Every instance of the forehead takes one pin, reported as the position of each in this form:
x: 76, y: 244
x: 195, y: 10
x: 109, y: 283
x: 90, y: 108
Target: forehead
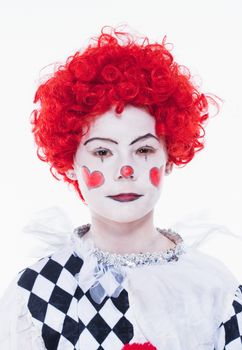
x: 132, y: 122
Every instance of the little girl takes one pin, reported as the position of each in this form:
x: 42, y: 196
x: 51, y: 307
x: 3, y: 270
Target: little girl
x: 112, y: 121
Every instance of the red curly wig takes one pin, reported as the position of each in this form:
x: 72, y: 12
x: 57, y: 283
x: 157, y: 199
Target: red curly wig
x: 116, y: 70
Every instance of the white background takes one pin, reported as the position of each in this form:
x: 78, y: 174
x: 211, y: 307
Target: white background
x: 206, y: 37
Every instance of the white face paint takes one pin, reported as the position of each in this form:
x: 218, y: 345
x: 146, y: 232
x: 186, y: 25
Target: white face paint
x: 98, y: 164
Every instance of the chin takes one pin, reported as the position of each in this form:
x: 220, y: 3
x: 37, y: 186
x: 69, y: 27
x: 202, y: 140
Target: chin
x: 126, y: 216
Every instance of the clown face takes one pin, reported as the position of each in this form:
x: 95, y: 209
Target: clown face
x: 120, y: 165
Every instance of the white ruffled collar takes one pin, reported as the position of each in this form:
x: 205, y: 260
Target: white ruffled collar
x: 104, y: 278
x: 97, y: 278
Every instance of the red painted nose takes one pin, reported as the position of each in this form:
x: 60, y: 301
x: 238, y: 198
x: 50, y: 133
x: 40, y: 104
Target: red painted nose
x: 126, y: 171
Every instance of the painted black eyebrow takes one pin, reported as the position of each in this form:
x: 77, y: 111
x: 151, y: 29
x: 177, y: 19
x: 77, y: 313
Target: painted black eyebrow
x: 110, y: 140
x: 144, y: 137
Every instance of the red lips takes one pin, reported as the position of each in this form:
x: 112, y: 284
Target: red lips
x: 125, y: 197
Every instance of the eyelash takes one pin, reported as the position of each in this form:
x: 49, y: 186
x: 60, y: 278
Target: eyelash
x: 147, y: 148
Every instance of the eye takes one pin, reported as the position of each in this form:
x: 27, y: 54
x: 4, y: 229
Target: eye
x: 145, y: 150
x: 101, y: 152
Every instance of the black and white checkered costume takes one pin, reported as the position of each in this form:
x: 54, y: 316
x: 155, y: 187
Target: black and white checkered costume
x: 68, y: 318
x: 229, y: 334
x: 56, y: 303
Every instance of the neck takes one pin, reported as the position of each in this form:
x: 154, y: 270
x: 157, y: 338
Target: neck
x: 129, y: 237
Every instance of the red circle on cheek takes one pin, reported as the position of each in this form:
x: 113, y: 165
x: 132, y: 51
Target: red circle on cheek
x: 94, y: 179
x: 155, y: 176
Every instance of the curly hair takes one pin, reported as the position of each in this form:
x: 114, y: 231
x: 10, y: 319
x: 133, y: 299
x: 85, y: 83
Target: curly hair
x: 114, y: 71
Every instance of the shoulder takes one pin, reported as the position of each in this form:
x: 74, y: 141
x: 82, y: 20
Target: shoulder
x: 208, y: 278
x: 211, y: 267
x: 50, y: 268
x: 31, y: 288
